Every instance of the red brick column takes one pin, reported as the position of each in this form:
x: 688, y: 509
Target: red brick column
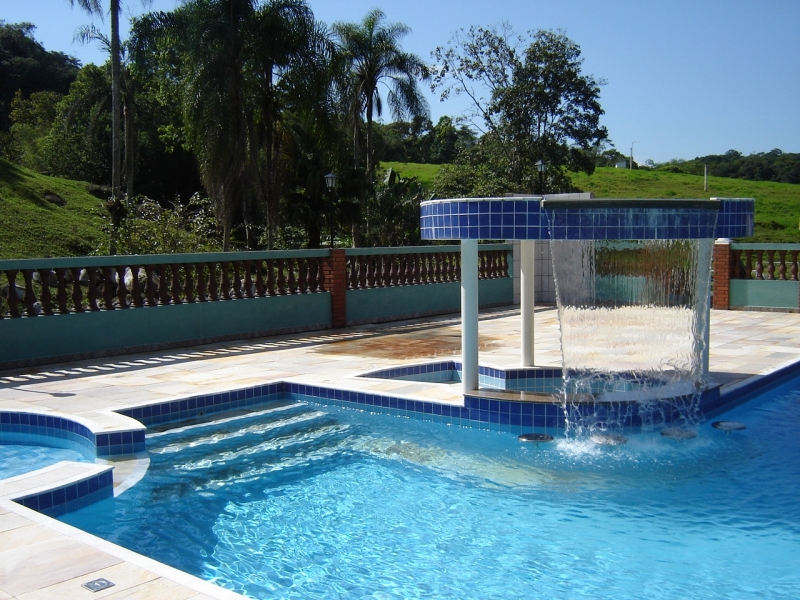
x: 336, y: 284
x: 723, y: 262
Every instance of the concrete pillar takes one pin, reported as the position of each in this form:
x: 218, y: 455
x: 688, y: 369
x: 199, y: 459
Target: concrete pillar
x: 469, y: 315
x: 526, y: 304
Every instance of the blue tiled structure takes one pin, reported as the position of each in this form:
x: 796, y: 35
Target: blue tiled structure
x: 77, y: 495
x: 197, y: 406
x: 536, y: 218
x: 72, y: 434
x: 530, y: 380
x: 478, y: 410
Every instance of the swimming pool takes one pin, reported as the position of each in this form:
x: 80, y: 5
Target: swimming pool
x: 306, y: 501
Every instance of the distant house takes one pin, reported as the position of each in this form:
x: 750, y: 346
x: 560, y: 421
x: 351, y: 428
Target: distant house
x: 623, y: 164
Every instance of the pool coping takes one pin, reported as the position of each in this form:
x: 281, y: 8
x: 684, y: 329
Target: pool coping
x: 149, y: 580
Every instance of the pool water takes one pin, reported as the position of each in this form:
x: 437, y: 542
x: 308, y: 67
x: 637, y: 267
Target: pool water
x: 302, y: 501
x: 18, y: 459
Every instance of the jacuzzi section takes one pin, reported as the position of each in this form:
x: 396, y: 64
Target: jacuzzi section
x: 545, y: 381
x: 95, y: 482
x: 21, y: 427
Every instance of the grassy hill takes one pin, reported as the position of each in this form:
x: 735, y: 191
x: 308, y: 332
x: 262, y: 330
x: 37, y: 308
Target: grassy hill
x: 43, y: 216
x: 46, y: 216
x: 777, y: 204
x: 423, y: 172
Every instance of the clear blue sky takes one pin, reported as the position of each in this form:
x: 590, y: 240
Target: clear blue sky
x: 684, y: 78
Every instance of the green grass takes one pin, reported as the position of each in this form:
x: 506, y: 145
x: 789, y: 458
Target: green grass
x: 777, y: 204
x: 424, y: 173
x: 32, y: 227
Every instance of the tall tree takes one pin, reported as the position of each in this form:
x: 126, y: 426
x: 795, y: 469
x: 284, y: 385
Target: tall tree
x: 535, y: 104
x: 93, y: 7
x: 27, y: 67
x: 373, y: 57
x: 232, y: 57
x: 291, y: 57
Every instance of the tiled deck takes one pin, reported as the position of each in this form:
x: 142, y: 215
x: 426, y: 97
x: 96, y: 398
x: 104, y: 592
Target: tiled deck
x: 42, y: 558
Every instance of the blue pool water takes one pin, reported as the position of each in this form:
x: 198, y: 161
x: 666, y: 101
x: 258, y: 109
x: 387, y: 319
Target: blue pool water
x: 303, y: 501
x: 17, y: 459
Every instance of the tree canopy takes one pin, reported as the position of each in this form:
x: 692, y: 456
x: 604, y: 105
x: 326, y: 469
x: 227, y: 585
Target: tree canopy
x: 533, y: 103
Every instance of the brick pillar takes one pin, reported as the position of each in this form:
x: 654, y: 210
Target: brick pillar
x: 723, y: 262
x: 336, y: 284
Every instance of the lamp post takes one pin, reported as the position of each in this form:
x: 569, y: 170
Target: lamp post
x: 540, y: 166
x: 330, y: 182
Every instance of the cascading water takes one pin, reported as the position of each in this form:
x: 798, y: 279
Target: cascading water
x: 633, y: 329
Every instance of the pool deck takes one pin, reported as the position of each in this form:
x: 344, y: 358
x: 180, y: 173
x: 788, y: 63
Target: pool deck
x: 43, y: 558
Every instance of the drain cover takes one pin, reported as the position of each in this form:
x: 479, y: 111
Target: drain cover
x: 609, y: 439
x: 678, y: 433
x: 97, y: 585
x: 535, y: 437
x: 729, y: 425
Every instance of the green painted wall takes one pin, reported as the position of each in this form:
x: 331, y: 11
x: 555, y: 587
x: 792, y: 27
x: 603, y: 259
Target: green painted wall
x: 403, y: 301
x: 764, y: 293
x: 60, y: 335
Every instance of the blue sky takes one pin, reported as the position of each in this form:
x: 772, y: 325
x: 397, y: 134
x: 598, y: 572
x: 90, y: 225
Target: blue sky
x: 684, y: 78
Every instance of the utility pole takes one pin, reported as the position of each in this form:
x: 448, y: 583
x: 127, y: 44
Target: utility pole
x: 705, y: 178
x: 630, y: 164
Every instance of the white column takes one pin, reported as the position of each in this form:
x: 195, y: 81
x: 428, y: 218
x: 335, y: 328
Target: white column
x: 707, y: 338
x: 526, y: 304
x: 469, y: 315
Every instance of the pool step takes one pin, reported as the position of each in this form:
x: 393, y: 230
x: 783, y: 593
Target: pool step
x: 284, y: 442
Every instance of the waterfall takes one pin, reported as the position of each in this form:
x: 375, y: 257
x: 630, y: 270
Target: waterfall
x: 633, y: 320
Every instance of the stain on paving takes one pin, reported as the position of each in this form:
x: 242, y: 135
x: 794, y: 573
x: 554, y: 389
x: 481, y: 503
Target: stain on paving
x: 424, y: 344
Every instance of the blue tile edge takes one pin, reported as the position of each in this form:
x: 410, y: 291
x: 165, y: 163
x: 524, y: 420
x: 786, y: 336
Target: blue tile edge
x: 74, y: 496
x: 477, y: 411
x: 741, y: 392
x: 204, y: 404
x: 62, y: 431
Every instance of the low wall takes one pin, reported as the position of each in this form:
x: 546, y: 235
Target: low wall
x: 754, y: 294
x: 406, y: 302
x: 104, y: 333
x: 756, y: 276
x: 52, y: 310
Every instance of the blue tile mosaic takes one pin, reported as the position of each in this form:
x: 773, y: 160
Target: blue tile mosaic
x: 200, y: 405
x: 522, y: 219
x: 77, y: 495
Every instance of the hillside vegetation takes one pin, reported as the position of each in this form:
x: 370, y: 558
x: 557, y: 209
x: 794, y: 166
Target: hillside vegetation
x: 777, y: 204
x: 43, y: 216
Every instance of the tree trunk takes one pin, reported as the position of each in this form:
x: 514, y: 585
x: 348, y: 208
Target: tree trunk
x: 116, y: 125
x: 272, y: 201
x: 226, y: 236
x: 131, y: 153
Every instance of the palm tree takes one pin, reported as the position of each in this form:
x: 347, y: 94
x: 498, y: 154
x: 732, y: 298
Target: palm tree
x: 115, y: 7
x: 89, y: 33
x: 291, y: 58
x: 234, y: 55
x: 373, y: 57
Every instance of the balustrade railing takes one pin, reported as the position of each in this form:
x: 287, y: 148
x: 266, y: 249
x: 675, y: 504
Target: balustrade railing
x: 374, y: 268
x: 75, y: 285
x: 45, y: 287
x: 765, y: 261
